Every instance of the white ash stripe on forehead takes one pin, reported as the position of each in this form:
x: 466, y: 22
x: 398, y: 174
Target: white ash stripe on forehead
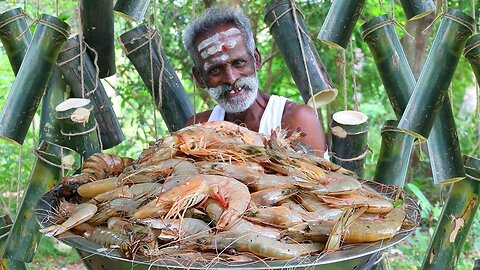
x: 214, y: 38
x: 218, y: 47
x: 215, y: 60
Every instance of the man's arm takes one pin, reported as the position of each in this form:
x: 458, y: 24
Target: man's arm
x: 199, y: 118
x: 304, y: 117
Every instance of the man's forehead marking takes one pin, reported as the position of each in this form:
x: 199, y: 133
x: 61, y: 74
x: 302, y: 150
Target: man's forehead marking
x: 220, y: 46
x: 221, y: 58
x: 210, y: 40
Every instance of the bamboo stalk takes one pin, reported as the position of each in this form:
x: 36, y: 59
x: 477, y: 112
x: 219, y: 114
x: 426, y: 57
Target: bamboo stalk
x: 340, y: 22
x: 32, y: 78
x: 7, y: 264
x: 399, y: 82
x: 98, y: 33
x: 436, y: 75
x: 456, y: 219
x: 394, y: 155
x: 472, y: 53
x: 295, y: 44
x: 416, y: 9
x: 55, y: 94
x: 78, y: 125
x: 51, y: 164
x: 349, y: 140
x: 69, y: 62
x: 144, y: 49
x: 133, y: 10
x: 15, y: 36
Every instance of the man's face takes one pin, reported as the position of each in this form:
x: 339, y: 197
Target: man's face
x: 227, y: 69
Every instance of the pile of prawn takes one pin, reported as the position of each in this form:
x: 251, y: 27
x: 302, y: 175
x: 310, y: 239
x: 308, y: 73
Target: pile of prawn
x: 220, y: 189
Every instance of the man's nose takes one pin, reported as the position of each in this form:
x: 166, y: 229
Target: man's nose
x: 231, y: 75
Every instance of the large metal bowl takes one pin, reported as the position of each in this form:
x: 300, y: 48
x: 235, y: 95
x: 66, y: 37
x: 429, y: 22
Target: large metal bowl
x: 359, y: 256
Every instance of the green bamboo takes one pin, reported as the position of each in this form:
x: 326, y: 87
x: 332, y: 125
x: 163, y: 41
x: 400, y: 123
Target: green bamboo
x: 78, y: 126
x: 32, y: 78
x: 416, y: 9
x: 302, y: 59
x: 98, y: 33
x: 472, y: 53
x: 394, y: 155
x: 399, y: 83
x: 143, y: 47
x: 133, y: 10
x: 15, y: 36
x: 349, y: 140
x: 5, y: 227
x: 55, y: 94
x: 340, y: 21
x: 51, y: 164
x: 456, y: 219
x: 437, y: 74
x: 69, y: 62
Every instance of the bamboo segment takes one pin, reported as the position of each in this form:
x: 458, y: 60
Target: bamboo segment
x: 7, y: 264
x: 51, y: 164
x: 15, y: 36
x: 340, y: 21
x: 32, y: 78
x: 394, y: 155
x: 456, y: 219
x: 472, y: 53
x: 437, y: 74
x: 399, y: 82
x: 349, y: 140
x: 290, y: 33
x: 98, y: 30
x: 143, y: 47
x: 416, y: 9
x: 133, y: 10
x: 69, y: 62
x: 55, y: 94
x: 78, y: 125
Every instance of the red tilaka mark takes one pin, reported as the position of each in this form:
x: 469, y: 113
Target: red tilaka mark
x: 224, y: 48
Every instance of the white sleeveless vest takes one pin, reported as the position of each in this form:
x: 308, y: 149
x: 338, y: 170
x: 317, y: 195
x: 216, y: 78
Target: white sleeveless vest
x: 271, y: 118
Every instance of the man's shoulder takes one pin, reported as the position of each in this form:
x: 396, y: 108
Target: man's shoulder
x: 296, y: 109
x: 201, y: 117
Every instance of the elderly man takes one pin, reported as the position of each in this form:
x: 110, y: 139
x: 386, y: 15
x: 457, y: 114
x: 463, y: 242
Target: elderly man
x: 226, y: 62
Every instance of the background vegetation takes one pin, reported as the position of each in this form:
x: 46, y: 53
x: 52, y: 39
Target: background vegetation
x: 134, y: 107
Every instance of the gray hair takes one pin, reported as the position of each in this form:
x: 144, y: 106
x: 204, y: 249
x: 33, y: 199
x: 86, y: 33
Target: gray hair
x: 206, y: 24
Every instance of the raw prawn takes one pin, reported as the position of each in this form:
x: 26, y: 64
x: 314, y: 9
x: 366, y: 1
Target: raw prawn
x: 81, y: 214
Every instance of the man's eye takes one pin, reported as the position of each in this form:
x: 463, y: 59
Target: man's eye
x: 214, y: 71
x: 239, y: 63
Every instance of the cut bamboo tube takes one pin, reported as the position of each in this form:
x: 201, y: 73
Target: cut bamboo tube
x: 15, y: 36
x: 55, y: 94
x: 349, y: 140
x: 7, y: 264
x: 416, y: 9
x: 436, y: 75
x: 98, y: 33
x: 32, y: 78
x: 456, y: 219
x: 298, y: 51
x: 394, y: 155
x: 51, y: 164
x: 78, y: 126
x: 399, y: 82
x: 133, y: 10
x: 144, y: 49
x: 69, y: 62
x: 340, y: 22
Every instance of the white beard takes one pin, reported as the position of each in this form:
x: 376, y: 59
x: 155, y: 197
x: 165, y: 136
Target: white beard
x: 240, y: 102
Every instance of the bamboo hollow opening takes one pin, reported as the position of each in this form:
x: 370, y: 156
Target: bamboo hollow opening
x: 132, y: 10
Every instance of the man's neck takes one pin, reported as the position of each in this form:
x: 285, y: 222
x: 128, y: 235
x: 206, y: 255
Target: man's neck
x: 252, y: 116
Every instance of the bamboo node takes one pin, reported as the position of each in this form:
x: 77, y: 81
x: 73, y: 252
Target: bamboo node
x: 364, y: 154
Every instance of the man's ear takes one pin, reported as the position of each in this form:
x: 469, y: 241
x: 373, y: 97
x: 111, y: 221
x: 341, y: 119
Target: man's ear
x: 198, y: 78
x: 258, y: 59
